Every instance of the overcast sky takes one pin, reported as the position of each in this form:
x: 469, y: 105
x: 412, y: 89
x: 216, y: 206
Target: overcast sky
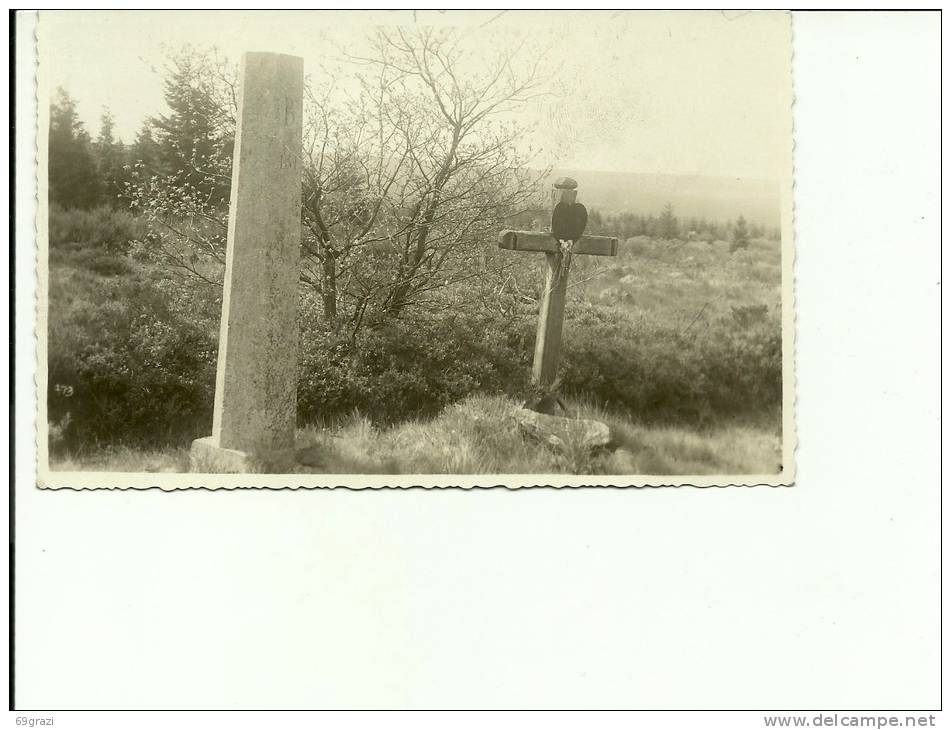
x: 702, y: 93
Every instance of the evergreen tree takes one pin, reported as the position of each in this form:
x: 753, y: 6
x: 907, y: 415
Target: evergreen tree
x: 667, y: 226
x: 741, y: 235
x: 145, y: 149
x: 112, y: 159
x: 193, y: 139
x: 73, y: 174
x: 651, y: 227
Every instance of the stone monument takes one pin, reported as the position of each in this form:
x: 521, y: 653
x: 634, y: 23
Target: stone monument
x: 256, y: 388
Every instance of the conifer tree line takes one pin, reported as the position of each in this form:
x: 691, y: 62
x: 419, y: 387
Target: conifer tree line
x: 86, y: 172
x: 668, y: 226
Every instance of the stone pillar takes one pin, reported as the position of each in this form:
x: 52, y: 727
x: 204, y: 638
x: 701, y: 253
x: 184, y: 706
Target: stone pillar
x: 256, y: 389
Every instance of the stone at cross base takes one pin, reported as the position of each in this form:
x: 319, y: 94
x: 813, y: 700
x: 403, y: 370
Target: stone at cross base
x: 560, y: 244
x: 255, y: 414
x: 563, y: 434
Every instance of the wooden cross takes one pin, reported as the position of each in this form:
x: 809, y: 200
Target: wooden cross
x: 564, y: 240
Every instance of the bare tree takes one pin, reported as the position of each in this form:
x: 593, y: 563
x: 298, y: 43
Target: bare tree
x: 408, y: 174
x: 442, y: 173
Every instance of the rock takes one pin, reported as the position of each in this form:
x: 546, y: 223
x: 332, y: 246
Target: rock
x: 562, y: 433
x: 629, y: 279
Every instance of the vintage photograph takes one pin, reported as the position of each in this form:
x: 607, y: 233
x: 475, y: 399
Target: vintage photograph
x: 398, y: 248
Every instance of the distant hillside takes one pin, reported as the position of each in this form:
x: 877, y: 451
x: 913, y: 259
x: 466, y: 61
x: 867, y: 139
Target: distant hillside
x: 713, y: 198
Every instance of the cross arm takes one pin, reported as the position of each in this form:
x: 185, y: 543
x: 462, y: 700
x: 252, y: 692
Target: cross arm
x: 541, y: 241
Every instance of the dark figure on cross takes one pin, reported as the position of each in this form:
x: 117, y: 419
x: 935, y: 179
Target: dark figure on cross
x: 568, y: 221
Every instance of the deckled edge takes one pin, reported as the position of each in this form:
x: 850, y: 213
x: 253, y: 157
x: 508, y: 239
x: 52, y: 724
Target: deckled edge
x: 788, y: 234
x: 41, y: 249
x: 372, y: 482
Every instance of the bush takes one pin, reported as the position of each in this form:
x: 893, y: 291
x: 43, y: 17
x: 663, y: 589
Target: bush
x: 127, y: 364
x: 653, y: 372
x: 98, y: 261
x: 410, y: 369
x: 126, y: 369
x: 662, y: 375
x: 102, y: 228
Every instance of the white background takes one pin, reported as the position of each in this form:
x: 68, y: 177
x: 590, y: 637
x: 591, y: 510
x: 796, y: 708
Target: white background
x: 820, y: 596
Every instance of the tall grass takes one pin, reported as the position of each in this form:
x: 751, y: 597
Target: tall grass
x: 480, y: 436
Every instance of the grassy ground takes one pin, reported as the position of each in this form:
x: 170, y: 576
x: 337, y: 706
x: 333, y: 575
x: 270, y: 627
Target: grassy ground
x: 682, y: 284
x: 479, y: 436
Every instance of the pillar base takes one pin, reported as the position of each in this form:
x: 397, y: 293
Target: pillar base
x: 208, y: 458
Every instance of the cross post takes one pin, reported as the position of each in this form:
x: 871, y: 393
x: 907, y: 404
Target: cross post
x: 564, y: 240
